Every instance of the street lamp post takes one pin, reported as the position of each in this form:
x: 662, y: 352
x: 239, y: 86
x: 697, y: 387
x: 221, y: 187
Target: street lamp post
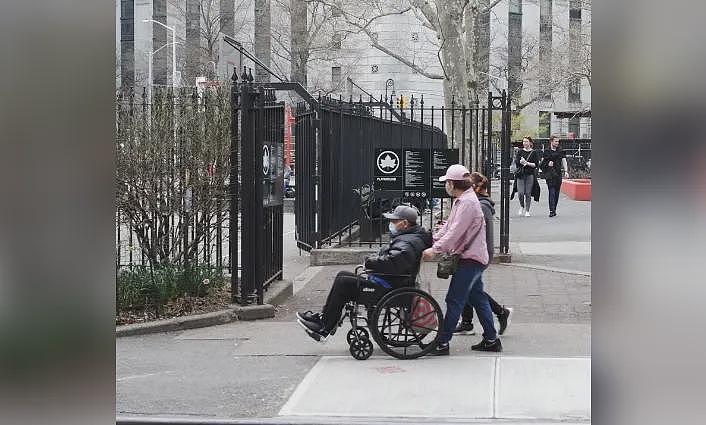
x: 173, y: 43
x: 150, y: 55
x: 390, y: 83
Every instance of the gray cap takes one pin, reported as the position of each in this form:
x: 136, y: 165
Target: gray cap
x: 403, y: 212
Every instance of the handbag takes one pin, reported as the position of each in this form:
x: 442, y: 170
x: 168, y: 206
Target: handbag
x: 518, y: 173
x: 424, y: 317
x: 448, y: 263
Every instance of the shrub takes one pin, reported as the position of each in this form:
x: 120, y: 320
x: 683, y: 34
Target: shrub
x: 141, y: 287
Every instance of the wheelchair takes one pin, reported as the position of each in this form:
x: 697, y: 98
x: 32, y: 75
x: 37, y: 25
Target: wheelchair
x: 405, y: 322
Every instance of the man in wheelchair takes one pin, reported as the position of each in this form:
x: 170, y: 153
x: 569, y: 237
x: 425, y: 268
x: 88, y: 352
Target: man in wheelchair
x: 394, y: 266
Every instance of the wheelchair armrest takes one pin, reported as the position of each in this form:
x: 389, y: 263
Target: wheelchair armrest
x: 389, y: 274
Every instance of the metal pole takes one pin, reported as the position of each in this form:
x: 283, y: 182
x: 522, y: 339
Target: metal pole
x: 173, y: 57
x: 149, y: 77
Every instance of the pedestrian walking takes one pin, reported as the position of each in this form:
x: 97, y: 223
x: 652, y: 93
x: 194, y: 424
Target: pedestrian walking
x: 480, y: 185
x: 464, y: 234
x: 526, y: 184
x: 553, y: 167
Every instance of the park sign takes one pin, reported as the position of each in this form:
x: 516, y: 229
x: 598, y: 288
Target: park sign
x: 388, y: 169
x: 412, y: 173
x: 272, y: 173
x: 442, y: 159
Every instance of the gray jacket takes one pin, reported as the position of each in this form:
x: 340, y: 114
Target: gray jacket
x: 488, y: 207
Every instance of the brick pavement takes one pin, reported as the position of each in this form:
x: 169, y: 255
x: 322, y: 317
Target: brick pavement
x: 538, y: 296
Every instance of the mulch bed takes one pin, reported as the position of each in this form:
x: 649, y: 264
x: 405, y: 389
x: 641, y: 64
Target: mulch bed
x: 216, y: 299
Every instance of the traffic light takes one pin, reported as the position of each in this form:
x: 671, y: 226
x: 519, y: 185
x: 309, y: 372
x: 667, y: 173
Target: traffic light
x: 402, y: 102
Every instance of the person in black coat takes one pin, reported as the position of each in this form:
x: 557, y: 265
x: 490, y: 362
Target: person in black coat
x: 401, y: 257
x: 553, y: 162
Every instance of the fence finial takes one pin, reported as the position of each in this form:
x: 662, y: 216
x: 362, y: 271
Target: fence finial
x: 250, y: 77
x: 234, y: 77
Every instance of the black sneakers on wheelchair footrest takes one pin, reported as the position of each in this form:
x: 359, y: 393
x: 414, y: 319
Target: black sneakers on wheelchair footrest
x: 486, y: 345
x: 310, y: 316
x: 313, y: 330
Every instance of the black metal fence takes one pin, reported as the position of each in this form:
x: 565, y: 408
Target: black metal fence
x: 260, y: 138
x: 194, y: 190
x: 337, y: 202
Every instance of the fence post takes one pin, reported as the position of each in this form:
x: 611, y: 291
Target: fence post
x: 505, y: 181
x: 234, y: 186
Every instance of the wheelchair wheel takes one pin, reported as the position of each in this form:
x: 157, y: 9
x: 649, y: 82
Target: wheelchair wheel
x: 358, y: 333
x: 361, y: 349
x: 407, y: 323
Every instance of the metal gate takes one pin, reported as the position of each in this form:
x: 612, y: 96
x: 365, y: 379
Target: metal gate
x: 335, y: 144
x: 258, y: 135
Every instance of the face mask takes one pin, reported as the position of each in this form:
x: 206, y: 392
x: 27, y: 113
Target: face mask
x: 447, y: 186
x: 393, y: 229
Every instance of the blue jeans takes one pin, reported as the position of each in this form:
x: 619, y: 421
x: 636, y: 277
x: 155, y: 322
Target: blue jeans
x: 467, y: 286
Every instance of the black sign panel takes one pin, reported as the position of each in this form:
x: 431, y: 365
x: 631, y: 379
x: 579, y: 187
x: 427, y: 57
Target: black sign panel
x: 388, y: 169
x: 416, y: 173
x: 442, y: 159
x: 272, y: 174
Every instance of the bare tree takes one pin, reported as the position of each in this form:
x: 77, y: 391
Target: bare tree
x: 454, y: 23
x: 169, y: 191
x: 542, y: 80
x: 306, y: 33
x: 214, y: 20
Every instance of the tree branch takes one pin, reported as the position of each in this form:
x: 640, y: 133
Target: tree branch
x: 492, y: 5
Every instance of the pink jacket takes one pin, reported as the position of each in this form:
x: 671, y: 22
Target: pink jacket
x: 466, y: 223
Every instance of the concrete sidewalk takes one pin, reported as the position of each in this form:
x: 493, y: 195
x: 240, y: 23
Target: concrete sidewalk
x: 272, y: 369
x: 272, y: 372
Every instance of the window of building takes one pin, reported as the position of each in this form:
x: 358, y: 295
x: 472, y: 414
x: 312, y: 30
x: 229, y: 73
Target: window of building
x: 374, y: 69
x: 336, y: 40
x: 515, y: 6
x: 545, y: 124
x: 127, y: 9
x: 575, y: 91
x: 335, y: 76
x: 575, y: 125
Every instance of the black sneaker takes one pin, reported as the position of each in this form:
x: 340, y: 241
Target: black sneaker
x: 310, y: 316
x: 504, y: 320
x: 440, y: 350
x: 465, y: 328
x: 552, y: 214
x: 486, y: 345
x: 314, y: 330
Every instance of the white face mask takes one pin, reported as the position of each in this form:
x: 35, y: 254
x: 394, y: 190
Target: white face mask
x: 393, y: 228
x: 447, y: 186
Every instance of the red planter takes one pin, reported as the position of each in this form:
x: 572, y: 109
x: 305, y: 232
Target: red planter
x: 577, y: 189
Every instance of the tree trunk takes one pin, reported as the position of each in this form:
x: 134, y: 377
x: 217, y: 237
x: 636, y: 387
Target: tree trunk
x: 263, y: 38
x: 299, y: 54
x: 454, y: 63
